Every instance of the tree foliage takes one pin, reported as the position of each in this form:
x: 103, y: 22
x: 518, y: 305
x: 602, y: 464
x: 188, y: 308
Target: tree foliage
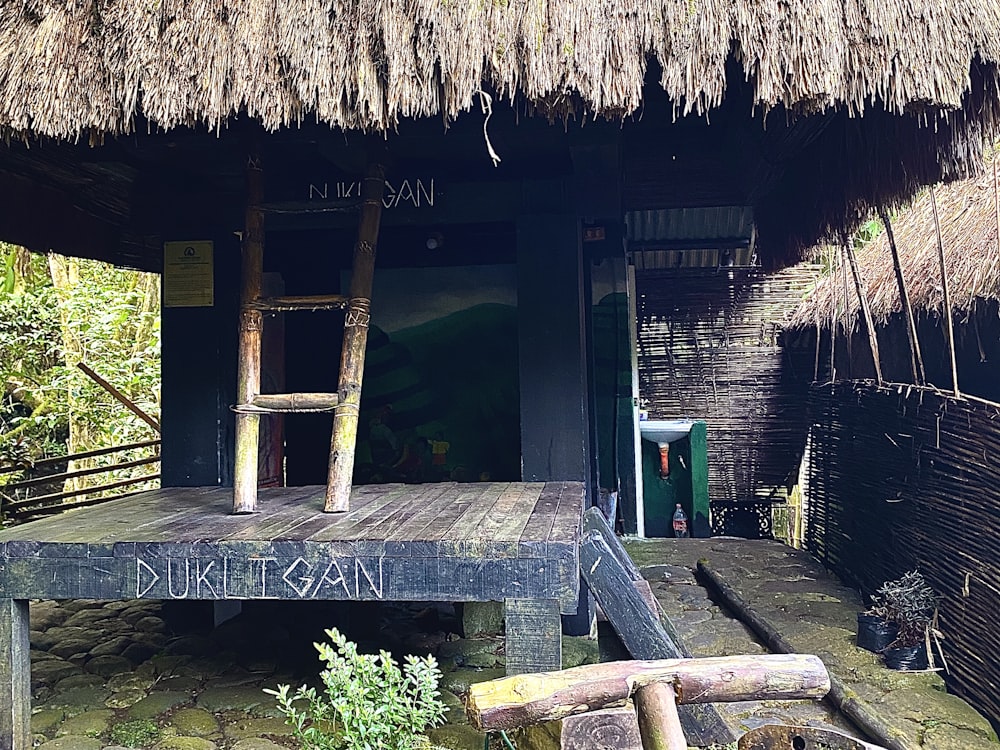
x: 56, y: 312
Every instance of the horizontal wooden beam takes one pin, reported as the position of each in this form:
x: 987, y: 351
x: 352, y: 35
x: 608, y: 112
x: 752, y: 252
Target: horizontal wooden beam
x: 52, y: 478
x: 87, y: 454
x: 532, y: 698
x: 28, y: 505
x: 290, y: 402
x: 292, y: 304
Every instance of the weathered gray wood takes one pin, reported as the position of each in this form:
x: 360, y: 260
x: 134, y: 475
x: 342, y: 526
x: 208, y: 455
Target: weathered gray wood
x: 533, y: 635
x: 646, y: 633
x: 352, y: 361
x: 525, y: 699
x: 594, y: 520
x: 659, y: 723
x: 15, y: 675
x: 184, y: 543
x: 605, y: 729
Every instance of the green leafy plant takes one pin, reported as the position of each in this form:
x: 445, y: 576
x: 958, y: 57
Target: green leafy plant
x: 138, y: 733
x: 367, y: 702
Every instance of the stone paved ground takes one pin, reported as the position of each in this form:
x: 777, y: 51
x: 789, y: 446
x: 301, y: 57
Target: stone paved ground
x: 141, y: 673
x: 817, y: 614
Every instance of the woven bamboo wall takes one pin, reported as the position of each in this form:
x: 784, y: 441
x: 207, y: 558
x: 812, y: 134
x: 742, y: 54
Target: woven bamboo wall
x: 709, y: 349
x: 903, y: 478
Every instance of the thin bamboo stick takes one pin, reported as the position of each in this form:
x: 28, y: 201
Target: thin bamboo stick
x: 76, y: 456
x: 18, y: 506
x: 916, y: 360
x: 848, y: 328
x: 865, y: 310
x: 947, y: 296
x: 833, y: 317
x: 251, y: 322
x: 352, y: 363
x: 121, y: 397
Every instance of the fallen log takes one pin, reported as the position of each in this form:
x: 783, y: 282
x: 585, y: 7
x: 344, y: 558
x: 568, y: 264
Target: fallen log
x: 524, y: 699
x: 659, y: 723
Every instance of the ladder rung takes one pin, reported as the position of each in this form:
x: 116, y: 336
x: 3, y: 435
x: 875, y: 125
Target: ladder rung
x: 289, y: 304
x: 289, y: 402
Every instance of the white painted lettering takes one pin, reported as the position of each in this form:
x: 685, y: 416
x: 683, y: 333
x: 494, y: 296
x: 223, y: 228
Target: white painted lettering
x: 359, y: 571
x: 200, y: 578
x: 428, y: 197
x: 325, y: 578
x: 304, y: 582
x: 316, y: 193
x: 141, y: 566
x: 170, y: 580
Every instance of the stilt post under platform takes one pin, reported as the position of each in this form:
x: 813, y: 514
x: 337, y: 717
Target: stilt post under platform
x: 15, y: 675
x: 352, y: 363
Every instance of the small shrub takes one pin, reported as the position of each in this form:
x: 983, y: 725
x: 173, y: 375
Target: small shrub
x: 138, y: 733
x: 367, y: 702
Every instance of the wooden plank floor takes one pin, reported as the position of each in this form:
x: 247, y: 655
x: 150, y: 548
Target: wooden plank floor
x: 439, y: 542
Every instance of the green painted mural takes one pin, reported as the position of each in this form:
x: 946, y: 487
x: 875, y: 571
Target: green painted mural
x: 440, y: 397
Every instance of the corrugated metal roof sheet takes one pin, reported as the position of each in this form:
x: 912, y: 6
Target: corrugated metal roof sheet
x: 690, y: 224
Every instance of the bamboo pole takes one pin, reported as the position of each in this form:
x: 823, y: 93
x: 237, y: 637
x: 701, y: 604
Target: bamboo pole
x: 659, y: 723
x: 916, y: 360
x: 833, y: 317
x: 251, y: 322
x: 352, y: 363
x: 848, y: 332
x: 947, y: 297
x: 865, y: 310
x: 121, y: 397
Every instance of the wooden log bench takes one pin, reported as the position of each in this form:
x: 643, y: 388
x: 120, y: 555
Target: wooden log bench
x: 657, y: 687
x: 516, y: 543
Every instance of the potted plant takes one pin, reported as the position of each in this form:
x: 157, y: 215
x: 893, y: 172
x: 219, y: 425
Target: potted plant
x: 876, y: 629
x: 908, y: 604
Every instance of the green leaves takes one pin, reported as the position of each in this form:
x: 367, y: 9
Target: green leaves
x: 367, y: 703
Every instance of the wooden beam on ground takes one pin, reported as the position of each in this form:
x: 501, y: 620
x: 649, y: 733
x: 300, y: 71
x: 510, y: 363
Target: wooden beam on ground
x: 15, y: 676
x: 525, y: 699
x: 840, y: 696
x: 645, y: 632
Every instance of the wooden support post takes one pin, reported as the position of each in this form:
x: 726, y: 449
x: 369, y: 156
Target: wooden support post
x: 916, y: 360
x: 865, y: 310
x: 533, y: 635
x: 659, y: 724
x: 525, y: 699
x: 15, y: 675
x: 947, y: 297
x: 352, y: 361
x: 251, y: 322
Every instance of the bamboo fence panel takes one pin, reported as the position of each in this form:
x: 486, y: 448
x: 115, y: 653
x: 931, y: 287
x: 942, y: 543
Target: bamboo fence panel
x: 902, y: 477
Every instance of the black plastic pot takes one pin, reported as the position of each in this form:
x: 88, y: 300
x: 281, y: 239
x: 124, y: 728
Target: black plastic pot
x: 875, y: 633
x: 906, y: 657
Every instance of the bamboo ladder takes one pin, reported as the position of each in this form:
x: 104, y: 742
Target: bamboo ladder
x: 345, y: 403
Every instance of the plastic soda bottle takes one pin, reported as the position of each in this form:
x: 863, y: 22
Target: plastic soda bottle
x: 680, y: 523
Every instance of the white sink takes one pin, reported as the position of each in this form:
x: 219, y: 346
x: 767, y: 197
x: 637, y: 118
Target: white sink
x: 665, y: 431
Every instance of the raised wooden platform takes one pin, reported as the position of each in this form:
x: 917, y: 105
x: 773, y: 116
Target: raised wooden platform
x: 516, y: 543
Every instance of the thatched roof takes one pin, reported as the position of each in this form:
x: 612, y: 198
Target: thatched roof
x: 77, y: 66
x: 968, y: 215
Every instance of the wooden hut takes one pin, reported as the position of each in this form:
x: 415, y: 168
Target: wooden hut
x: 178, y: 135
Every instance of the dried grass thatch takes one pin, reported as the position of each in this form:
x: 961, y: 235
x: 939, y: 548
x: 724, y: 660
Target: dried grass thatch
x: 968, y: 216
x: 75, y: 66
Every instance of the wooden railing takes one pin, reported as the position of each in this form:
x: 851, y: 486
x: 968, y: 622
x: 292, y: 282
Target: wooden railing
x: 18, y: 502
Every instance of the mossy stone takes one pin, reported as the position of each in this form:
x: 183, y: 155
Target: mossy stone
x: 72, y: 742
x: 456, y: 737
x: 185, y: 743
x: 196, y: 722
x: 459, y: 681
x: 155, y: 704
x: 44, y: 721
x: 88, y: 724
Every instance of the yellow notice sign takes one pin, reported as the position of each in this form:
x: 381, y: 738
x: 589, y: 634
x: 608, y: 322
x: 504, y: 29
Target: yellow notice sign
x: 188, y: 274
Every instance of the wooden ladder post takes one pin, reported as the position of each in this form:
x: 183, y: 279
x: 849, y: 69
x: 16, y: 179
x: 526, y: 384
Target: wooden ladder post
x: 659, y: 722
x: 352, y: 362
x: 251, y: 322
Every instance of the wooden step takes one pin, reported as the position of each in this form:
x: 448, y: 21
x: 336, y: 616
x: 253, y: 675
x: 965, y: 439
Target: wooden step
x: 290, y: 304
x: 267, y: 403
